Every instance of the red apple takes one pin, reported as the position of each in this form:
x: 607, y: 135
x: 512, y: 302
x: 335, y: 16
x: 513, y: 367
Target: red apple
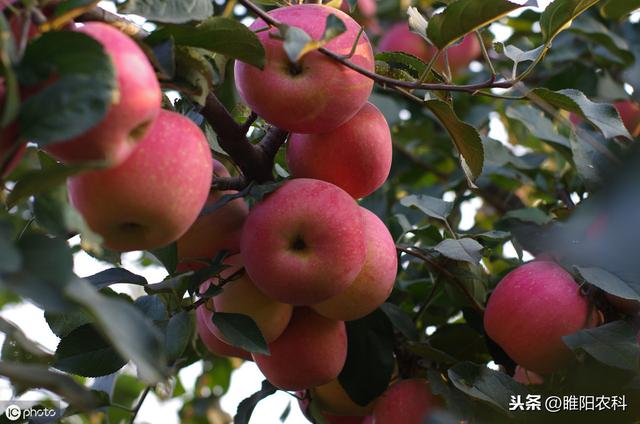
x: 316, y: 95
x: 375, y: 281
x: 136, y: 104
x: 399, y: 38
x: 529, y: 312
x: 406, y: 402
x: 310, y: 352
x: 214, y: 232
x: 154, y: 197
x: 527, y: 377
x: 364, y: 159
x: 630, y: 113
x: 214, y: 344
x: 304, y: 243
x: 241, y: 296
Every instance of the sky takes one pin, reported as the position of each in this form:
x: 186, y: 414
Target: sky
x: 245, y: 380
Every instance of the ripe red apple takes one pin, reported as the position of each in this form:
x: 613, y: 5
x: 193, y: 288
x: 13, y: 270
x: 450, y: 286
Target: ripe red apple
x: 304, y: 243
x: 241, y: 296
x: 333, y: 399
x: 310, y: 352
x: 316, y: 95
x: 630, y: 113
x: 524, y: 376
x: 135, y: 106
x: 214, y: 232
x: 214, y: 344
x: 152, y: 198
x: 375, y: 281
x: 407, y: 402
x: 364, y: 161
x: 530, y: 310
x: 399, y: 38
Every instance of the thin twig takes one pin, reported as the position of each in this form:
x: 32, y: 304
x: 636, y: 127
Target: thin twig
x: 139, y: 404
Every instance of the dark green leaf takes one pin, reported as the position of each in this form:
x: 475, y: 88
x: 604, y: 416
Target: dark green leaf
x: 559, y: 15
x: 179, y: 334
x: 246, y: 407
x: 430, y: 206
x: 168, y: 256
x: 463, y: 16
x: 614, y: 344
x: 465, y: 249
x: 367, y: 371
x: 333, y: 27
x: 485, y: 384
x: 172, y: 11
x: 594, y: 30
x: 538, y: 124
x: 115, y: 276
x: 464, y: 136
x: 10, y: 260
x: 240, y: 331
x: 609, y: 282
x: 533, y: 215
x: 85, y: 352
x: 400, y: 320
x: 618, y: 9
x: 64, y: 323
x: 48, y: 259
x: 153, y: 307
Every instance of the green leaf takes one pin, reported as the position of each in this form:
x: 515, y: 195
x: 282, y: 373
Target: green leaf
x: 179, y: 334
x: 430, y: 206
x: 485, y: 384
x: 115, y: 276
x: 64, y: 323
x: 400, y: 320
x: 218, y: 34
x: 463, y: 16
x: 38, y: 181
x: 10, y: 259
x: 246, y: 407
x: 47, y: 258
x: 152, y: 307
x: 465, y: 249
x: 464, y: 136
x: 603, y: 116
x: 370, y: 361
x: 132, y: 334
x: 519, y: 56
x: 85, y: 352
x: 618, y: 9
x: 298, y: 43
x: 614, y: 344
x: 609, y: 282
x: 170, y: 11
x: 333, y: 27
x: 559, y: 15
x: 240, y: 331
x: 168, y: 256
x: 538, y: 124
x: 594, y: 30
x: 533, y: 215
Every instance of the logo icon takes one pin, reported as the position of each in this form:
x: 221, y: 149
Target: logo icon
x: 13, y: 412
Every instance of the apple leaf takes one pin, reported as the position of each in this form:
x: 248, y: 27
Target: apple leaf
x: 533, y: 215
x: 485, y: 384
x: 85, y: 352
x: 464, y: 136
x: 178, y: 334
x: 170, y: 11
x: 463, y: 16
x: 465, y: 249
x: 10, y: 259
x: 538, y: 124
x: 600, y: 34
x: 609, y: 282
x: 559, y: 15
x: 400, y: 320
x: 603, y: 116
x: 152, y: 307
x: 618, y: 9
x: 297, y: 42
x: 614, y: 344
x: 370, y: 361
x: 115, y: 276
x: 246, y: 407
x: 241, y: 331
x: 430, y: 206
x: 217, y: 34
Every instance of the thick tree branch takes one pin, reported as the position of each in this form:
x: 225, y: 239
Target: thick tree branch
x: 271, y: 142
x: 123, y: 24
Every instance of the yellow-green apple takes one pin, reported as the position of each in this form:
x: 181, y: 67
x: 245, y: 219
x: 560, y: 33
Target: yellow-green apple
x: 527, y: 377
x: 399, y: 38
x: 135, y: 105
x: 375, y: 281
x: 214, y: 344
x: 214, y: 232
x: 407, y: 402
x: 152, y: 198
x: 356, y: 156
x: 318, y: 93
x: 311, y: 352
x: 304, y: 243
x: 303, y: 403
x: 529, y: 312
x: 333, y: 399
x: 241, y: 296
